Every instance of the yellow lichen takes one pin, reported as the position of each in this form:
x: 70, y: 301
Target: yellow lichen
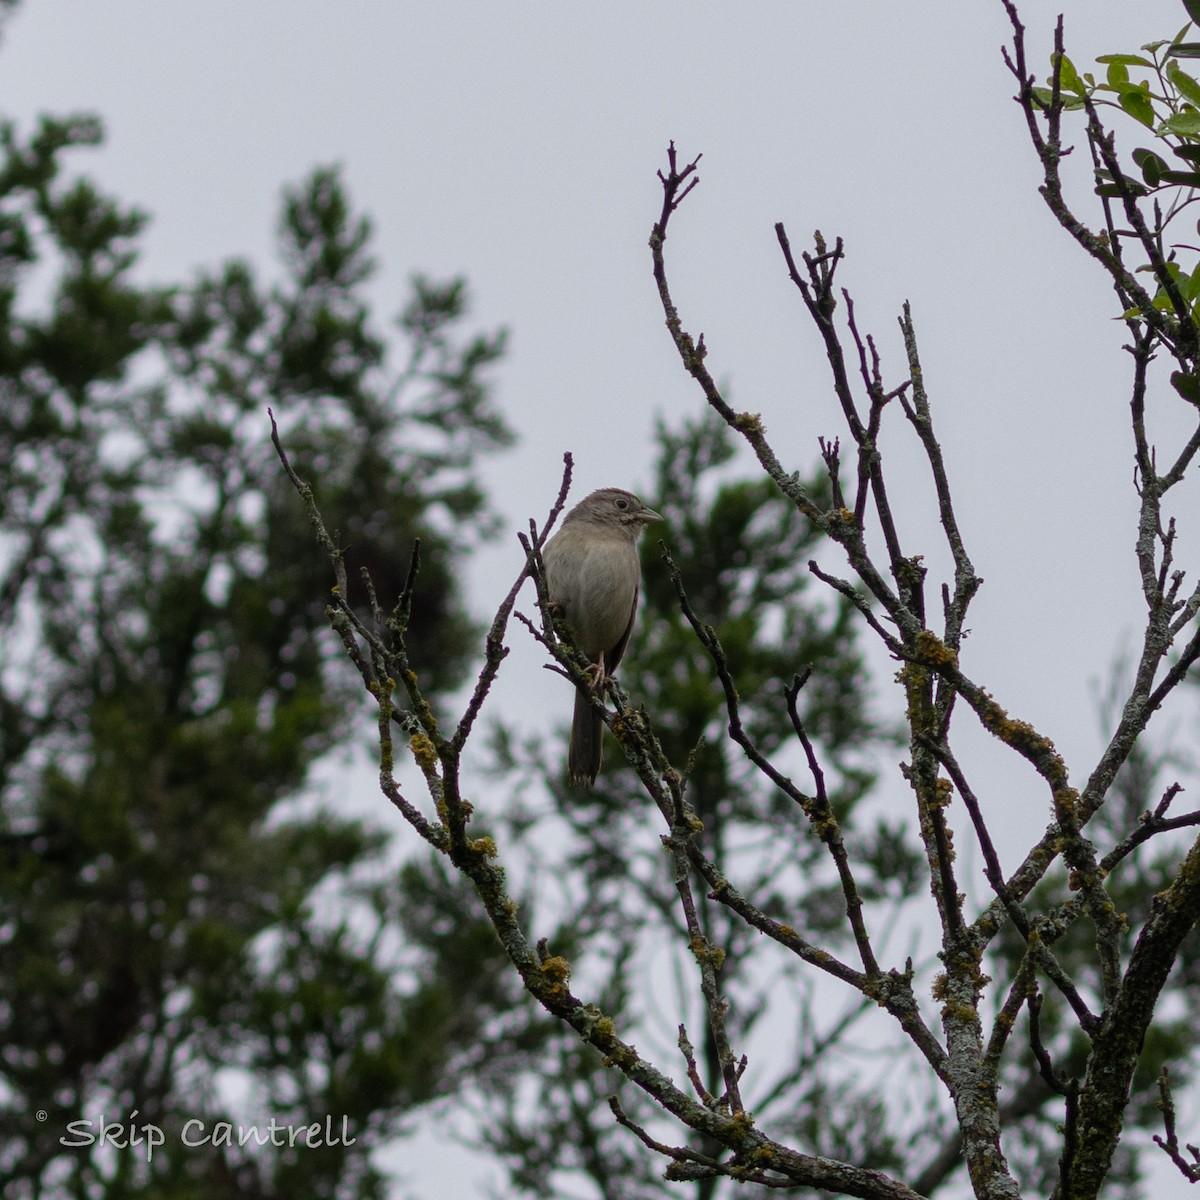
x: 968, y: 1014
x: 741, y: 1123
x: 1065, y: 799
x: 932, y: 650
x: 826, y: 828
x: 423, y: 751
x: 704, y: 951
x: 556, y: 969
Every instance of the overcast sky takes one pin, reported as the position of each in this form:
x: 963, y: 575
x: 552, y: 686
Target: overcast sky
x: 518, y: 145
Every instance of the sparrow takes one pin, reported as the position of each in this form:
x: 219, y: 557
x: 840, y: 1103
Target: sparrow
x: 592, y: 576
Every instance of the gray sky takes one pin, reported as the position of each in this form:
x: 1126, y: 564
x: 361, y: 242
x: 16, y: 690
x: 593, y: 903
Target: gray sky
x: 518, y: 144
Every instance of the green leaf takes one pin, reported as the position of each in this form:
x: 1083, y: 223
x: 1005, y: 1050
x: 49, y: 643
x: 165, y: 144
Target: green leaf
x: 1125, y: 60
x: 1193, y: 9
x: 1187, y: 385
x: 1132, y: 187
x: 1173, y: 269
x: 1189, y: 153
x: 1188, y: 88
x: 1117, y: 74
x: 1045, y: 97
x: 1152, y: 166
x: 1067, y: 75
x: 1137, y: 104
x: 1182, y: 178
x: 1186, y: 123
x: 1185, y: 50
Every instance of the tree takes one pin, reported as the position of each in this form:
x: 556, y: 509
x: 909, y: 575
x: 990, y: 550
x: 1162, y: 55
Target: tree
x: 740, y: 552
x: 1036, y: 1028
x: 169, y: 914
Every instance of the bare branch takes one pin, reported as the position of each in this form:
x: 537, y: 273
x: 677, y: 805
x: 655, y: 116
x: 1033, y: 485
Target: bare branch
x: 1190, y: 1170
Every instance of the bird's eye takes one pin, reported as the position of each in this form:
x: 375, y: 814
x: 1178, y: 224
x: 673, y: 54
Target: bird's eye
x: 622, y: 504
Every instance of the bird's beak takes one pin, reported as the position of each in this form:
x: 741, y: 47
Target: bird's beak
x: 648, y: 515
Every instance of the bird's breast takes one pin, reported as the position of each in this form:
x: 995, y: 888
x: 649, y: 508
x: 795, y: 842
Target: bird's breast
x: 597, y: 588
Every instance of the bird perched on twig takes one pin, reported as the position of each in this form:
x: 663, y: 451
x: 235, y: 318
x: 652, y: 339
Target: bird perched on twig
x: 592, y: 577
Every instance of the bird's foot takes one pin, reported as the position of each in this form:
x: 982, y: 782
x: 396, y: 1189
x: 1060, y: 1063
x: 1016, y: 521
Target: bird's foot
x: 598, y: 676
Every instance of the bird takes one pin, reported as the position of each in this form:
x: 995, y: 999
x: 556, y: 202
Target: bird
x: 592, y: 579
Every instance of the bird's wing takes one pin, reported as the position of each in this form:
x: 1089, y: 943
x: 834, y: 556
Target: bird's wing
x: 614, y: 655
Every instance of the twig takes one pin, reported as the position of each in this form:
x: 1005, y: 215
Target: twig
x: 966, y: 582
x: 678, y: 1153
x: 1067, y: 1087
x: 495, y: 650
x: 1166, y: 1104
x: 825, y: 824
x: 689, y: 1055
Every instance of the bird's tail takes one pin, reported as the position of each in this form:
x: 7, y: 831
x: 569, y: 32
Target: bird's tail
x: 587, y: 729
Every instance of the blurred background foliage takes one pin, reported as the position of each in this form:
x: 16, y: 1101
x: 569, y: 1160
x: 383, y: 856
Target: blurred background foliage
x: 167, y: 682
